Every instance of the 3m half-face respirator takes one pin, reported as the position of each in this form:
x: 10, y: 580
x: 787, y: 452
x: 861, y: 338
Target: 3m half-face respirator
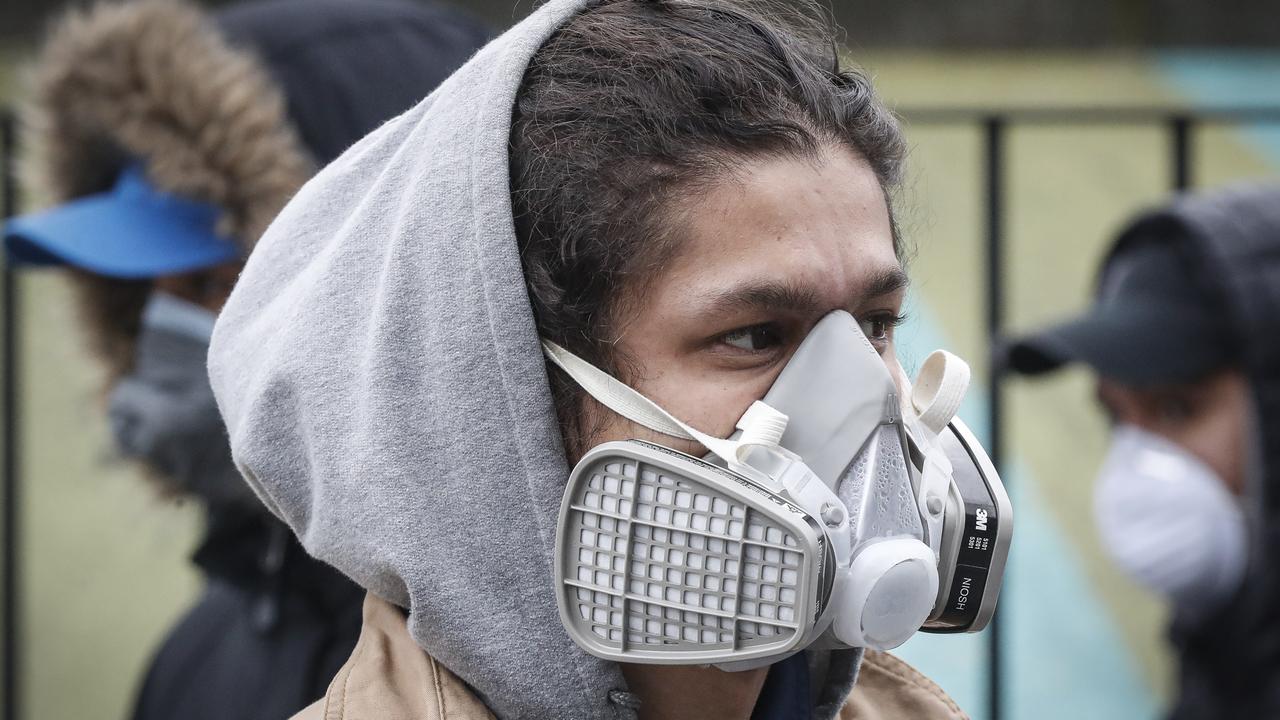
x: 837, y: 516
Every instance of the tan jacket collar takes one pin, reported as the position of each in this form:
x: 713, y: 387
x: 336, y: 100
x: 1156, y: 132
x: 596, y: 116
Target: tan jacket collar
x: 389, y: 677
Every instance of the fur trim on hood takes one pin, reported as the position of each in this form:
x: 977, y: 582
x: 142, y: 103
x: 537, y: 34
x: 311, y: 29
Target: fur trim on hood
x: 155, y: 81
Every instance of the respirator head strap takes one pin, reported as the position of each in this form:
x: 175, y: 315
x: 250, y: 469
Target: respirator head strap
x: 760, y: 424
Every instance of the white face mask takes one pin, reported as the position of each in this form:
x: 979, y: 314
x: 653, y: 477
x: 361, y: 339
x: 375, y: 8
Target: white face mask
x: 1169, y: 521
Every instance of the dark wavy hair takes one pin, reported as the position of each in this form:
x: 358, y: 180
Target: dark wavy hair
x: 635, y: 106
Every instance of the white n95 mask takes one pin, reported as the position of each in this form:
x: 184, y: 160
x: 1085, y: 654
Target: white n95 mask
x: 1169, y: 521
x: 833, y: 517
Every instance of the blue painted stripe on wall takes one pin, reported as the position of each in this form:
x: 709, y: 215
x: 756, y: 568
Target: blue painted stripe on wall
x: 1229, y: 78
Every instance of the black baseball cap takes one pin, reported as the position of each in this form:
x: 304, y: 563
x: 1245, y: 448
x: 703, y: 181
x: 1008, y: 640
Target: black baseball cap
x: 1154, y: 322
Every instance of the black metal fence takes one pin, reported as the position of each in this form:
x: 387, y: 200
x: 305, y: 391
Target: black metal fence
x: 1180, y: 126
x: 10, y: 483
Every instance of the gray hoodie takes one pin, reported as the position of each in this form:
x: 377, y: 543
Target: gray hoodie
x: 381, y: 379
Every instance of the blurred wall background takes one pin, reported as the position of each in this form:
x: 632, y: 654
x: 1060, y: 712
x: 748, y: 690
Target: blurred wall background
x: 104, y: 560
x: 931, y: 24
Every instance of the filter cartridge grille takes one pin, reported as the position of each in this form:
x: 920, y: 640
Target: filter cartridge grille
x: 657, y: 562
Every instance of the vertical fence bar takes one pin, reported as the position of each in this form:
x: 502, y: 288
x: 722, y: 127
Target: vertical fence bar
x: 993, y: 142
x: 1180, y: 152
x: 10, y: 629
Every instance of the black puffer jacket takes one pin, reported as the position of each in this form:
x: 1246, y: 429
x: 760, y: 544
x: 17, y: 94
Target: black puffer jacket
x: 1230, y: 664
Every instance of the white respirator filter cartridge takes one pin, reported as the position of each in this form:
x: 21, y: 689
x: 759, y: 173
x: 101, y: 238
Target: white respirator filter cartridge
x: 665, y: 558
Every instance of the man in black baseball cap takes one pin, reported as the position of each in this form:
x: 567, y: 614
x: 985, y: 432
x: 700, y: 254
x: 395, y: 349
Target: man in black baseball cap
x: 1184, y: 336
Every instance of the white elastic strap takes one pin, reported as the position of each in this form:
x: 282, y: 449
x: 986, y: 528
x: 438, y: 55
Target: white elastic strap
x: 935, y: 396
x: 939, y: 388
x: 761, y: 426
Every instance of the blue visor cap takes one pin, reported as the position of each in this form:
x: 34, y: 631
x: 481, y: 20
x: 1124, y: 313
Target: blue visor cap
x: 135, y: 231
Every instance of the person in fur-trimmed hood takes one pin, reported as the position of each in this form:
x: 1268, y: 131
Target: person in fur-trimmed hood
x: 164, y: 140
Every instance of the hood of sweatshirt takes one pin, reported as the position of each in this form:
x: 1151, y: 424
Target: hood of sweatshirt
x: 380, y: 374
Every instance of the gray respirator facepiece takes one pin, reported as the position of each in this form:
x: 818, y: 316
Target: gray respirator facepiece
x: 833, y: 518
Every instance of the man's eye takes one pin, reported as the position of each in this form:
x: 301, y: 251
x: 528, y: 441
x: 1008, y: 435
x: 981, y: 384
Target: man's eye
x: 754, y: 338
x: 877, y: 327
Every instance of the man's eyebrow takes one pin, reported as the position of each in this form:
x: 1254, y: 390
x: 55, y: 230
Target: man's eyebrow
x: 761, y: 295
x: 885, y: 281
x: 772, y: 295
